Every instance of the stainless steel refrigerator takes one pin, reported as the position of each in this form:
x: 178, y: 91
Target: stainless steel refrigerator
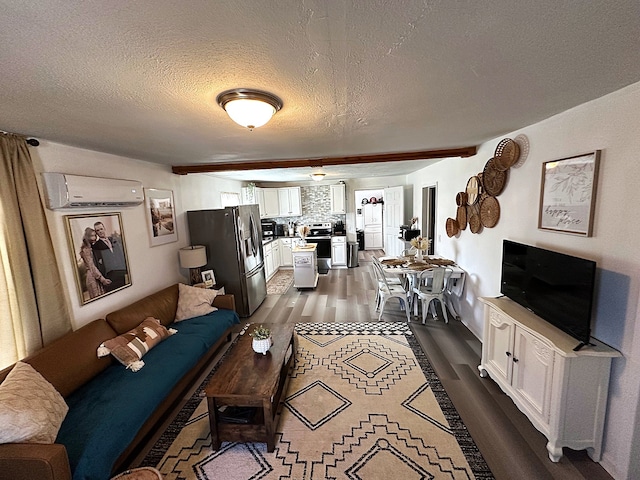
x: 233, y: 239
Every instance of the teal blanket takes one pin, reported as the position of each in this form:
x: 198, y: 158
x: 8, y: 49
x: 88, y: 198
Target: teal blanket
x: 106, y: 413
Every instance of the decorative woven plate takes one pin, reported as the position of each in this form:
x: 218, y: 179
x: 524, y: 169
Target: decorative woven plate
x: 441, y: 262
x: 489, y: 212
x: 420, y: 266
x: 493, y: 179
x: 461, y: 217
x: 461, y: 198
x: 452, y: 227
x: 523, y: 144
x: 506, y: 155
x: 392, y: 262
x: 474, y: 223
x: 472, y: 190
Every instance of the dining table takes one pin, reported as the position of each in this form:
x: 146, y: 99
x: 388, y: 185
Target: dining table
x: 411, y: 270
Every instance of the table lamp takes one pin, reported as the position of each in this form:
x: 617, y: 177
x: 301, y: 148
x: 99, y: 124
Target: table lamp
x: 193, y: 257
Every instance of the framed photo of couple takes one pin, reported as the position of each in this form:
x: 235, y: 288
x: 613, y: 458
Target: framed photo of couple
x: 98, y: 254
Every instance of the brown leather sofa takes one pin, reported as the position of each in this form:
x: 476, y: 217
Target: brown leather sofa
x: 71, y: 361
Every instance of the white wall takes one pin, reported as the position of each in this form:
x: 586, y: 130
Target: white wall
x: 151, y: 268
x: 610, y: 124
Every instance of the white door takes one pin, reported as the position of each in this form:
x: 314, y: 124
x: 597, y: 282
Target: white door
x: 393, y: 218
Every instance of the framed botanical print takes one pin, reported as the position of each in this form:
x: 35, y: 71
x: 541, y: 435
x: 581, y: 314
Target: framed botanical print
x: 568, y: 193
x: 161, y: 216
x: 99, y: 254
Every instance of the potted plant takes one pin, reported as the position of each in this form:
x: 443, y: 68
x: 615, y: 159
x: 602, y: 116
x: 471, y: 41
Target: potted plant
x: 261, y: 339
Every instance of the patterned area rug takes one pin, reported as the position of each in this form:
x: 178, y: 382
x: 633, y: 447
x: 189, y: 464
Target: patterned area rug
x: 362, y: 403
x: 280, y: 282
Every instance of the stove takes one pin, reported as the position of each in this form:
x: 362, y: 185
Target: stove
x: 320, y: 233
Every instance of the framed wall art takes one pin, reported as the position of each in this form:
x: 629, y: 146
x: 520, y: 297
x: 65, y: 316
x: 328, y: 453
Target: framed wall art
x: 161, y: 216
x: 567, y: 194
x: 98, y: 253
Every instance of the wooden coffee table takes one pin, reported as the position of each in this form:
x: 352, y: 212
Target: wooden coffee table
x: 249, y: 379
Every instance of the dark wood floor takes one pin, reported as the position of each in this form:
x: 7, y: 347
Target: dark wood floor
x: 513, y: 449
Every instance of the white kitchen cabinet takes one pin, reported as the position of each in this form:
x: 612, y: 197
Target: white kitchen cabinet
x: 271, y: 203
x: 275, y: 253
x: 563, y: 392
x: 290, y: 201
x: 338, y: 198
x: 338, y: 251
x: 269, y: 268
x: 286, y: 258
x: 373, y: 237
x: 372, y: 213
x: 259, y: 197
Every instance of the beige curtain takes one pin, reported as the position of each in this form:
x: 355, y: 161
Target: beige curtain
x: 32, y: 307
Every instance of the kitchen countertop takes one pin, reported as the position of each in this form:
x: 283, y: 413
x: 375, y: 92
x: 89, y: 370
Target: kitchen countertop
x: 309, y: 247
x: 267, y: 240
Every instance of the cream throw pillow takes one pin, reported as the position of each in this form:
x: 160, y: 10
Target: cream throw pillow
x: 194, y: 301
x: 31, y: 409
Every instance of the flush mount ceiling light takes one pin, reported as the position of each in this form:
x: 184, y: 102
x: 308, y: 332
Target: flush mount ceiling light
x: 249, y: 108
x: 316, y: 177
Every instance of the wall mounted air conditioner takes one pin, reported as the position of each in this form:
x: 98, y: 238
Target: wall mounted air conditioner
x: 75, y: 191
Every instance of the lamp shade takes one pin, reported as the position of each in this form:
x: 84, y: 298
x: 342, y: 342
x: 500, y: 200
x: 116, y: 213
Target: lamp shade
x: 193, y: 257
x: 250, y: 113
x: 249, y: 108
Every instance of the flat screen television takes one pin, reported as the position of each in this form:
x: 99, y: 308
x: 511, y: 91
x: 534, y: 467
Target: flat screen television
x: 556, y: 287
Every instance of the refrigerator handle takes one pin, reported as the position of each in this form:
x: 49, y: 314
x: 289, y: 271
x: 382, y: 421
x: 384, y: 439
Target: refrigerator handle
x: 254, y: 234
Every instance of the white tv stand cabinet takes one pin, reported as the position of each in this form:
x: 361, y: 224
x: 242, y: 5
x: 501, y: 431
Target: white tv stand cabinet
x: 561, y: 391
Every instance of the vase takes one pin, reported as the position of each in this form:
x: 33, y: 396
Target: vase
x: 262, y: 346
x: 419, y: 256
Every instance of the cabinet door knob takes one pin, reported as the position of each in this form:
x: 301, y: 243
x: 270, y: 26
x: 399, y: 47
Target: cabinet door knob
x: 515, y: 360
x: 508, y: 354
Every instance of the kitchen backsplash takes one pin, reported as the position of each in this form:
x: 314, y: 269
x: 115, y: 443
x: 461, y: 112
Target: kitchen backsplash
x: 316, y: 207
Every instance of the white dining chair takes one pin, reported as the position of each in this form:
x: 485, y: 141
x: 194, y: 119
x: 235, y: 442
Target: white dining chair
x: 427, y: 292
x: 387, y: 290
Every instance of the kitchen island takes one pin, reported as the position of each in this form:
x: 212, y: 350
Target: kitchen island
x: 305, y: 265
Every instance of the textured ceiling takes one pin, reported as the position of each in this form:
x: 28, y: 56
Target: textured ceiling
x: 357, y: 77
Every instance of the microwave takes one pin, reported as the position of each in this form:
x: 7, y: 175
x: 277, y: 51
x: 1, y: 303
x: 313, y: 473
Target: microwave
x: 268, y: 228
x: 407, y: 233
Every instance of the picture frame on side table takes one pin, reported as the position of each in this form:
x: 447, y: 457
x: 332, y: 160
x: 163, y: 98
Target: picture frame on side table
x: 567, y: 194
x: 208, y: 278
x: 98, y: 254
x: 161, y: 216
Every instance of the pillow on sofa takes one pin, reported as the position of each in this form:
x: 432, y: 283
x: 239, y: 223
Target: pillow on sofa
x: 194, y: 302
x: 130, y: 347
x: 31, y: 409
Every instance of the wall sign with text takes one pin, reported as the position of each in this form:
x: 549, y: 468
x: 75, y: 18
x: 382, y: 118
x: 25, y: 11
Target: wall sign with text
x: 568, y: 194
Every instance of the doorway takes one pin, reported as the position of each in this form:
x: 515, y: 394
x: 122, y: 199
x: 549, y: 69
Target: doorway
x: 369, y: 217
x: 429, y: 215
